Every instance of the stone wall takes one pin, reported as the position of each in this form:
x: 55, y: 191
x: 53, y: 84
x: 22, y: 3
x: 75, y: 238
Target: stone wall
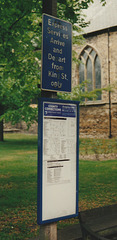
x: 95, y: 122
x: 21, y: 127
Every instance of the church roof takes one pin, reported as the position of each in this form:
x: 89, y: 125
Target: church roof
x: 101, y: 17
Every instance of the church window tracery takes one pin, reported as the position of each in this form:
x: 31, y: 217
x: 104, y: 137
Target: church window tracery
x: 90, y: 70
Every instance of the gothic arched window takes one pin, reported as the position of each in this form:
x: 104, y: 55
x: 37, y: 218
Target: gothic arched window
x: 90, y: 70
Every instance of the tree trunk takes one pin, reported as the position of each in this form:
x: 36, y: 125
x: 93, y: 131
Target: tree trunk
x: 1, y: 124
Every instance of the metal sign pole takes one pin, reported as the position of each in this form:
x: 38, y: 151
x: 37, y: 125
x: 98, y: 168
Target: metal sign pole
x: 49, y: 231
x: 49, y: 7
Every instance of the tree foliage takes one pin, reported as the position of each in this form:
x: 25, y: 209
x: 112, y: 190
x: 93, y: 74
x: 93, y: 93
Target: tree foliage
x: 20, y: 52
x: 19, y: 59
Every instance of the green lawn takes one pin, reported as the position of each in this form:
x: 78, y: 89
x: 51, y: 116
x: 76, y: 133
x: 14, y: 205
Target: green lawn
x: 98, y: 146
x: 18, y: 185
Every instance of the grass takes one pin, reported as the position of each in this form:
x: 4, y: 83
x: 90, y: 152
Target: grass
x: 100, y: 146
x: 97, y: 183
x: 18, y: 185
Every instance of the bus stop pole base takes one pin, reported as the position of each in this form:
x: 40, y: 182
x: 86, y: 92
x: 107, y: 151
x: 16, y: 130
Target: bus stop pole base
x: 48, y: 232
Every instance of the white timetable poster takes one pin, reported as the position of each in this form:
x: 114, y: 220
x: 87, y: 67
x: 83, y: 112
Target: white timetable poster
x: 59, y: 160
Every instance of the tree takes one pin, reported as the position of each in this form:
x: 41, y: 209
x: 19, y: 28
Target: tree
x: 20, y: 54
x: 19, y: 60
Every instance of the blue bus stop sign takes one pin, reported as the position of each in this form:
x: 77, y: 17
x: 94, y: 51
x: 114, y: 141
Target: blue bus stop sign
x: 56, y: 54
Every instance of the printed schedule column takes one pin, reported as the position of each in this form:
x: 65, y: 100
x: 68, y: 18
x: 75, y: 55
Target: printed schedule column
x: 56, y: 54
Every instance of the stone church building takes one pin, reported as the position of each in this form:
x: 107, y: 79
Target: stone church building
x: 98, y: 62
